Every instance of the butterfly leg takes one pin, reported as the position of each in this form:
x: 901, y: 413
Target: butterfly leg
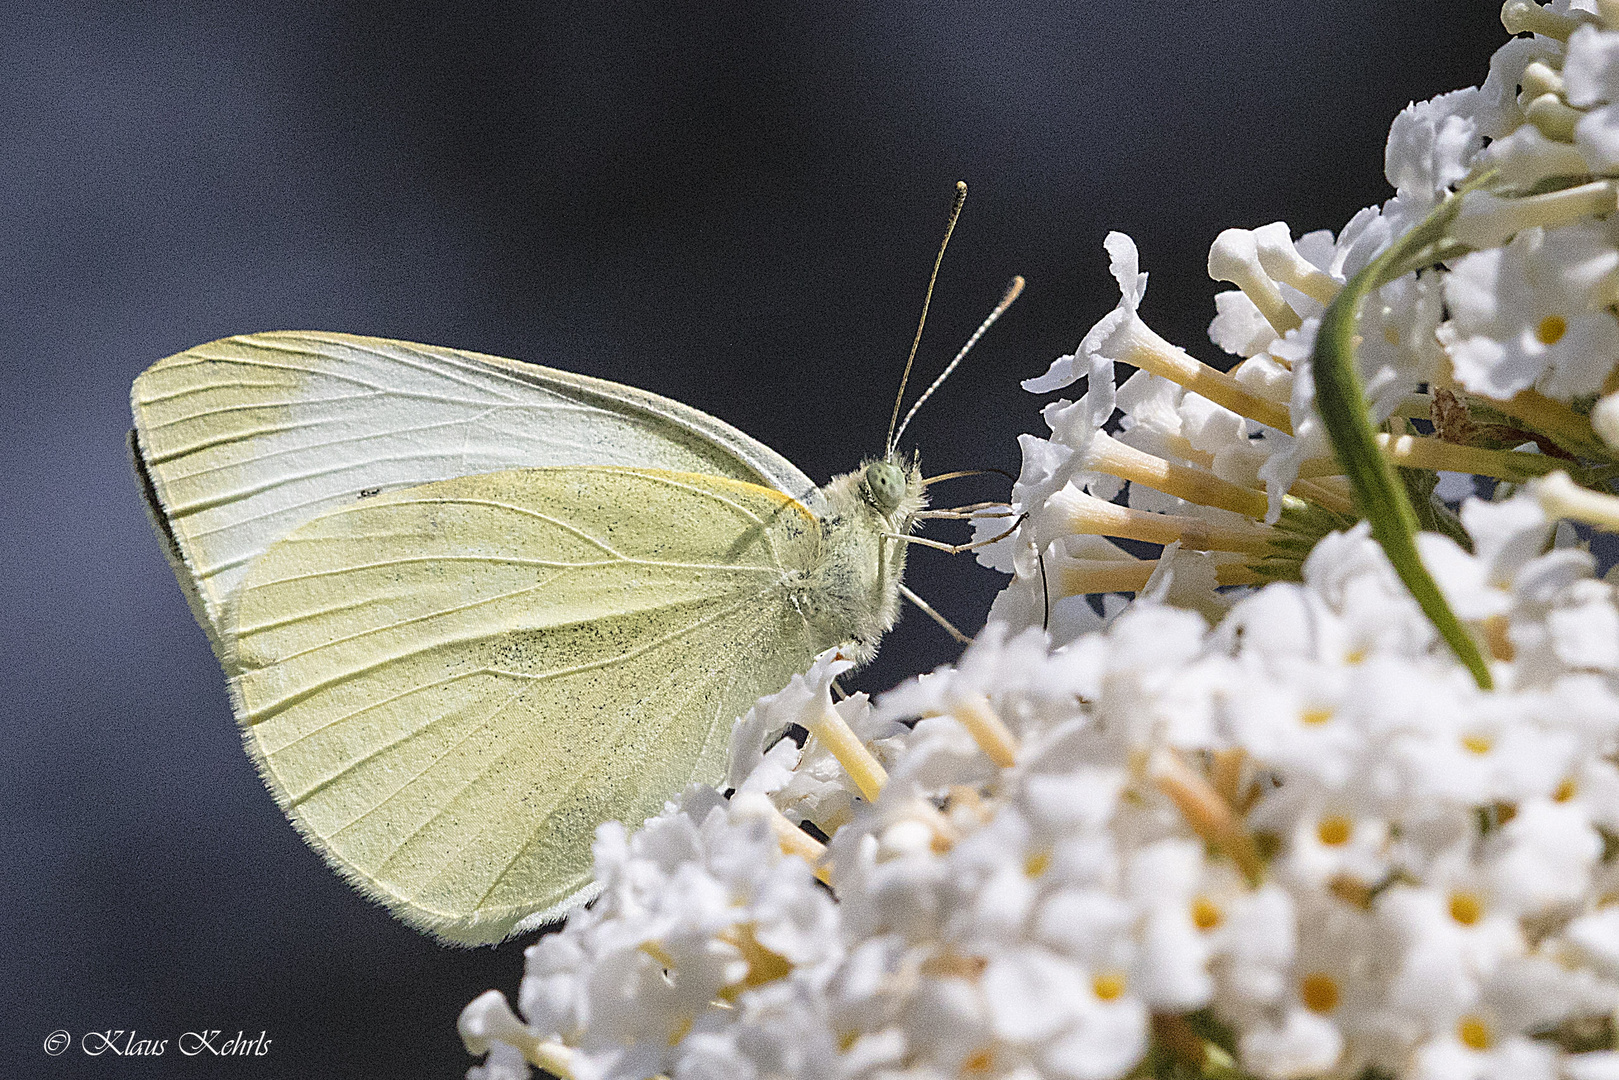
x: 956, y: 549
x: 970, y: 512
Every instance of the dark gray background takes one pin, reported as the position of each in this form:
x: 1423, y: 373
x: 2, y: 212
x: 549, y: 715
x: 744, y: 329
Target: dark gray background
x: 735, y: 205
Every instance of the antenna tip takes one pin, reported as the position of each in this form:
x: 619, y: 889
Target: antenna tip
x: 1013, y: 289
x: 961, y: 187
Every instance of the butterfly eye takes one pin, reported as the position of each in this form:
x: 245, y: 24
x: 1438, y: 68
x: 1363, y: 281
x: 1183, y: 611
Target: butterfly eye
x: 886, y: 485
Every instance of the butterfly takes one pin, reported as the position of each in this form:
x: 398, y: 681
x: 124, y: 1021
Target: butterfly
x: 469, y: 608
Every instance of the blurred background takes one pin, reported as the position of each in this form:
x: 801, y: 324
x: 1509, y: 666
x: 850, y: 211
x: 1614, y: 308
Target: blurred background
x: 732, y: 204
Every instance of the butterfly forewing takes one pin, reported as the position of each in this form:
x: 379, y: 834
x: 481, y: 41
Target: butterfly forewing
x: 242, y: 440
x: 449, y: 686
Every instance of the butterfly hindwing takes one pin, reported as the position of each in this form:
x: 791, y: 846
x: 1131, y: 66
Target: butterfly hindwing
x: 447, y: 687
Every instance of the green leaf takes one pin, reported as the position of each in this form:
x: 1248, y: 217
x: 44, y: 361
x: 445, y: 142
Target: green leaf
x: 1379, y: 494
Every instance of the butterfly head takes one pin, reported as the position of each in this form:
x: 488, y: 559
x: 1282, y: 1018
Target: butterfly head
x: 892, y: 485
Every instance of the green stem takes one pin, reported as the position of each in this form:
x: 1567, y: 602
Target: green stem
x: 1379, y: 494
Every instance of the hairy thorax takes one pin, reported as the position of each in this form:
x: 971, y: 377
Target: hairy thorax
x: 850, y: 594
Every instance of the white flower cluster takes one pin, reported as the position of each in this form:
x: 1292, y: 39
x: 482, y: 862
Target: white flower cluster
x: 1287, y: 833
x: 1298, y: 843
x: 1502, y: 341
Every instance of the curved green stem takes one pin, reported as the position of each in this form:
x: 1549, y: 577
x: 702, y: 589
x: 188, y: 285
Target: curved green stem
x: 1379, y: 494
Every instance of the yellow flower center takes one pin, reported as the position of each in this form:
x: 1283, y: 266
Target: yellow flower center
x: 1319, y: 992
x: 1036, y: 863
x: 1466, y: 907
x: 1478, y: 744
x: 1551, y: 329
x: 1206, y: 914
x: 1473, y: 1032
x: 1333, y: 830
x: 1498, y: 636
x: 1314, y: 717
x: 764, y: 965
x: 1108, y: 985
x: 981, y: 1060
x: 1566, y: 790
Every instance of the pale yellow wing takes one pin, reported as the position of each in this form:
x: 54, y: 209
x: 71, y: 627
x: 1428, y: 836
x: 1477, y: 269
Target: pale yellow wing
x: 242, y: 440
x: 448, y: 688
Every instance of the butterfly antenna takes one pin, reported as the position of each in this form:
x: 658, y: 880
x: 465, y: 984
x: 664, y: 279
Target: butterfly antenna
x: 1013, y: 291
x: 1045, y: 590
x: 950, y: 227
x: 926, y: 480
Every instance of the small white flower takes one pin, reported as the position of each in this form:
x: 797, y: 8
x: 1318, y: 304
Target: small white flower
x: 1238, y: 326
x: 1584, y: 627
x: 503, y: 1063
x: 1038, y: 595
x: 799, y: 702
x: 1125, y: 265
x: 1544, y: 856
x: 1531, y: 314
x: 1431, y: 144
x: 488, y: 1026
x: 1591, y: 81
x: 1593, y: 1065
x: 1527, y: 156
x: 1450, y: 1058
x: 1302, y: 1044
x: 1498, y: 111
